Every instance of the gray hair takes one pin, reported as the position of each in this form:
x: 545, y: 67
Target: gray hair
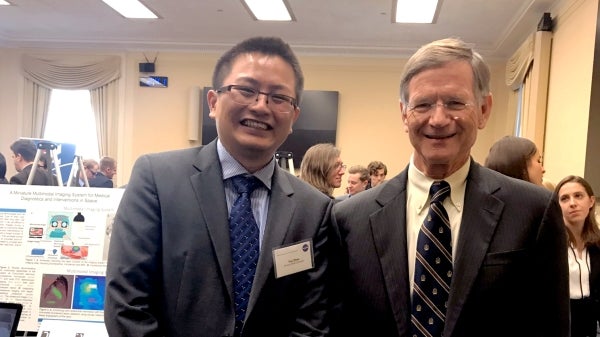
x: 436, y: 54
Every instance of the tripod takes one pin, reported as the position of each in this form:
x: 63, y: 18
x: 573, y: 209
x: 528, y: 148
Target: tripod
x: 285, y: 160
x: 77, y: 169
x: 51, y: 148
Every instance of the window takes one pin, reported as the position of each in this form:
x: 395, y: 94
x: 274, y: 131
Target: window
x: 71, y: 120
x: 519, y: 117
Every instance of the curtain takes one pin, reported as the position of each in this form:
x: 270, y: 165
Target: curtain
x: 529, y: 69
x: 518, y: 65
x: 99, y: 74
x: 104, y: 101
x: 34, y: 123
x: 72, y: 72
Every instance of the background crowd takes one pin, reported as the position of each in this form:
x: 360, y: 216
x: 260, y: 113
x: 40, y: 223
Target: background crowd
x: 43, y: 172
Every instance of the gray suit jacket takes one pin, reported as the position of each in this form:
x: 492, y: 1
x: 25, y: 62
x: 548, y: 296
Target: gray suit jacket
x: 169, y: 266
x: 510, y: 267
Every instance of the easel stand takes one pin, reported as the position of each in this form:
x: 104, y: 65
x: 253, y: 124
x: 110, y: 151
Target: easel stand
x: 77, y: 171
x: 51, y: 149
x: 285, y: 160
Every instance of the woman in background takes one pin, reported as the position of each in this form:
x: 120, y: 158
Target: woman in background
x: 323, y: 168
x: 518, y: 158
x: 577, y: 202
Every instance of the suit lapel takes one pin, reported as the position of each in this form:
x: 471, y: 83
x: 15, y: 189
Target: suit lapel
x: 388, y: 226
x: 281, y: 210
x: 480, y: 216
x: 210, y: 192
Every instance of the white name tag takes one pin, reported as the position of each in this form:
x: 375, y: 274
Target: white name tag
x: 294, y: 258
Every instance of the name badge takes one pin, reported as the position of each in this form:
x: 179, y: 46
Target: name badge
x: 293, y: 259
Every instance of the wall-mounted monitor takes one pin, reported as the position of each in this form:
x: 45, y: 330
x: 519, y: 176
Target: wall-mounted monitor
x: 154, y: 81
x: 317, y: 123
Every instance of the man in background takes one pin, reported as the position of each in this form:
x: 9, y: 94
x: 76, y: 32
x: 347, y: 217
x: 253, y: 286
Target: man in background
x: 89, y: 172
x: 448, y: 247
x: 358, y: 179
x: 103, y: 177
x: 377, y: 173
x: 184, y: 260
x: 24, y: 151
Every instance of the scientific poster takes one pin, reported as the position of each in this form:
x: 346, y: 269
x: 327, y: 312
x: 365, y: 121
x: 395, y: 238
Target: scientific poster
x: 54, y: 243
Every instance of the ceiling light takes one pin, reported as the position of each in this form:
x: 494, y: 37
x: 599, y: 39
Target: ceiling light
x: 269, y: 10
x: 410, y: 11
x: 131, y: 9
x: 3, y: 2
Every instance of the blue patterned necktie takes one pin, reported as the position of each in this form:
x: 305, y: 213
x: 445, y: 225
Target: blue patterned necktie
x: 433, y: 267
x: 244, y: 237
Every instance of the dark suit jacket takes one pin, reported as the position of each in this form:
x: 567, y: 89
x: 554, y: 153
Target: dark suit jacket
x: 594, y: 252
x: 169, y: 266
x: 510, y: 266
x: 42, y: 177
x: 100, y: 180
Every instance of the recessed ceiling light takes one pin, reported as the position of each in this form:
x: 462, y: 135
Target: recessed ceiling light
x: 269, y: 10
x: 131, y: 9
x: 410, y: 11
x: 4, y: 3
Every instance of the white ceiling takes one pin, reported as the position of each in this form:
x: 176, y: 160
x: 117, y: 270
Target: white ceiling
x: 349, y: 27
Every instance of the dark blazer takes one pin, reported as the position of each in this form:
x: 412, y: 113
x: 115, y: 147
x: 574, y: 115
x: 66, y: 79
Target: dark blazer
x: 42, y: 177
x: 585, y: 313
x: 169, y: 266
x: 510, y: 266
x: 100, y: 180
x: 595, y: 279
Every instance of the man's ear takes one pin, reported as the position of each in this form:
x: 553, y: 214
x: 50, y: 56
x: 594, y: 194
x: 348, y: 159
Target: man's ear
x: 295, y: 118
x: 212, y: 98
x: 486, y: 110
x: 404, y: 117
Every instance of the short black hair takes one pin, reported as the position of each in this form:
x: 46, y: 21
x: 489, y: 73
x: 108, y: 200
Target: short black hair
x: 25, y: 147
x: 2, y: 166
x: 262, y: 45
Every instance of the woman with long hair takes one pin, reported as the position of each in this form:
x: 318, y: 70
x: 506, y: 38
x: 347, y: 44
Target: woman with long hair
x: 516, y: 157
x: 578, y: 203
x: 323, y: 168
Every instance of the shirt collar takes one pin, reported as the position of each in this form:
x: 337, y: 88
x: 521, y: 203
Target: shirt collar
x: 421, y: 184
x: 231, y: 167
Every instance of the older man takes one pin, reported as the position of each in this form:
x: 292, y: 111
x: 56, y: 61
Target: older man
x: 447, y: 247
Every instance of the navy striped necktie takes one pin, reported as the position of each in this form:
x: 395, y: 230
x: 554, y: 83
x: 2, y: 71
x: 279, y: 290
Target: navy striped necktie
x: 433, y: 267
x: 244, y: 236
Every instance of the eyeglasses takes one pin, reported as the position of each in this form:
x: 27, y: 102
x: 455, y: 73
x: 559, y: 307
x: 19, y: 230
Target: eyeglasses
x: 426, y: 108
x: 247, y: 95
x: 91, y: 171
x: 339, y: 166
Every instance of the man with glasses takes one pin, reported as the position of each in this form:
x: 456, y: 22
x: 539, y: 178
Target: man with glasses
x: 448, y: 247
x: 90, y: 170
x: 177, y: 264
